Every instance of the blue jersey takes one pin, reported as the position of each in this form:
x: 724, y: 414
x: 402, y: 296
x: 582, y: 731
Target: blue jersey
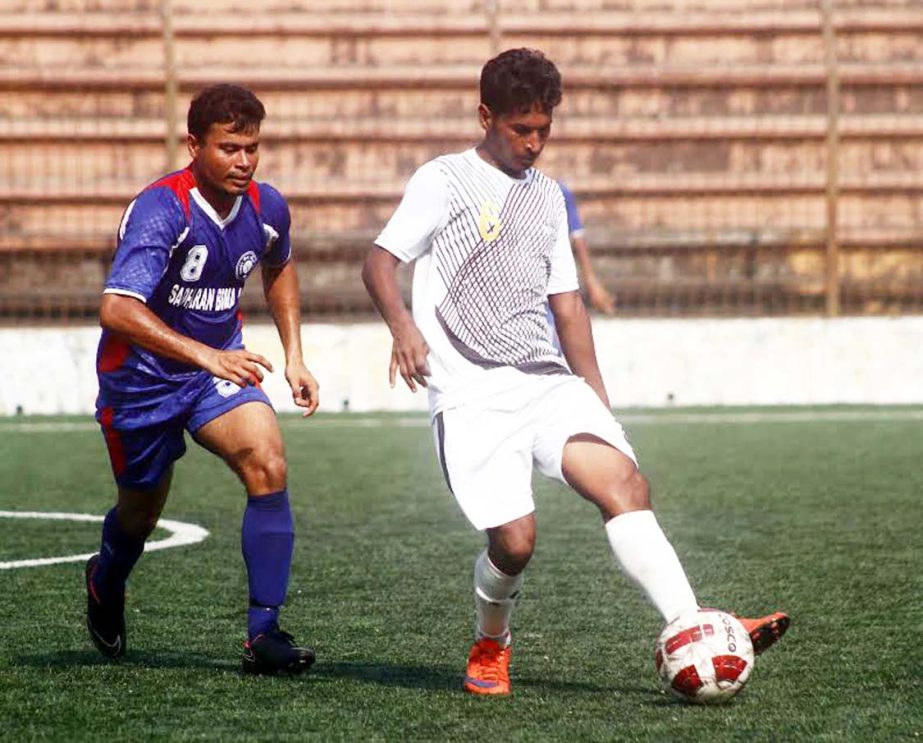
x: 176, y: 254
x: 573, y: 216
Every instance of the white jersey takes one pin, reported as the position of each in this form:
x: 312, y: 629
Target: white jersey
x: 489, y: 249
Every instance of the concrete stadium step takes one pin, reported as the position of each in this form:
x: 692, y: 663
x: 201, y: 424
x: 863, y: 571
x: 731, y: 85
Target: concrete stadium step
x: 317, y: 17
x: 604, y: 240
x: 663, y: 205
x: 109, y: 190
x: 300, y: 40
x: 455, y: 76
x: 454, y: 104
x: 269, y: 7
x: 883, y: 211
x: 676, y: 282
x: 446, y: 20
x: 628, y: 167
x: 406, y: 129
x: 398, y: 7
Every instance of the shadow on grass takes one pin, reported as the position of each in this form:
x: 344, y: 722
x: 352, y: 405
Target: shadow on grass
x: 69, y: 659
x: 437, y: 678
x: 450, y: 679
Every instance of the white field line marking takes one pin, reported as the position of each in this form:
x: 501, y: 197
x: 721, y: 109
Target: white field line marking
x: 181, y: 534
x: 666, y: 418
x: 781, y: 416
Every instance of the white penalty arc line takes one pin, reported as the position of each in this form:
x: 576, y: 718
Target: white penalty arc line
x: 181, y: 534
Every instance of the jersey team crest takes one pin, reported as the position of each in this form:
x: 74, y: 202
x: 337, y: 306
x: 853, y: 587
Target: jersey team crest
x: 245, y: 265
x: 489, y: 222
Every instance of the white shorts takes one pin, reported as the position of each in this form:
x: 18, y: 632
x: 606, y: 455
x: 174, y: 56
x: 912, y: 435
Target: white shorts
x: 487, y: 449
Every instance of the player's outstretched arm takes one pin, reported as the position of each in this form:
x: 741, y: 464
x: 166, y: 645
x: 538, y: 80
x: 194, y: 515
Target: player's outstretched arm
x: 409, y: 350
x: 573, y: 326
x: 600, y: 297
x: 131, y: 319
x: 280, y: 285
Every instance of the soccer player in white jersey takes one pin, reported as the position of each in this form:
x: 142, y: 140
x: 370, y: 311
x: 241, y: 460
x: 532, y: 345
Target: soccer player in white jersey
x: 488, y: 236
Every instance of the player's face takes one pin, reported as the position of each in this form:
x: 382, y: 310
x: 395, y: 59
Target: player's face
x: 225, y: 160
x: 515, y: 140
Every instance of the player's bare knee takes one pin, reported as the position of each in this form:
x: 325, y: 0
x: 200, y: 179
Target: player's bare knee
x: 635, y: 493
x: 511, y: 546
x: 630, y: 493
x: 512, y: 559
x: 639, y: 492
x: 266, y: 472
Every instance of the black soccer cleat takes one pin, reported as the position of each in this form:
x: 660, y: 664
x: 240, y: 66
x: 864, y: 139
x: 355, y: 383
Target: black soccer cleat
x: 275, y: 651
x: 105, y: 619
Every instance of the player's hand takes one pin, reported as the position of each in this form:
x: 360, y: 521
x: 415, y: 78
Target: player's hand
x: 599, y: 297
x: 305, y: 389
x: 408, y: 356
x: 240, y: 366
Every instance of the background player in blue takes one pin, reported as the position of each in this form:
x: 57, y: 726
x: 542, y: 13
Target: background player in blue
x: 600, y: 297
x: 171, y: 358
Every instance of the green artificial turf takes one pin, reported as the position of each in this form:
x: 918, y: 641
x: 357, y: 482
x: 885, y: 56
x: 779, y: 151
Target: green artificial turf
x: 821, y: 518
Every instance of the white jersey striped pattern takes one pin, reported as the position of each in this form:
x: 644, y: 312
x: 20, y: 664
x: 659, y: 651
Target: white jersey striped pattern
x: 494, y: 257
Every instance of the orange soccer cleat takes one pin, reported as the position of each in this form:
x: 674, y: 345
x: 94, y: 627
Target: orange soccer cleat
x: 765, y: 631
x: 488, y: 668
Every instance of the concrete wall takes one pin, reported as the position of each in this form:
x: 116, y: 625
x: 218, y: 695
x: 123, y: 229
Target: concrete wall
x: 649, y: 363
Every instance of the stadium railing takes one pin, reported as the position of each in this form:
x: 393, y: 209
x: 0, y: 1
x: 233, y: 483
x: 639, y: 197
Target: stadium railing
x: 697, y: 140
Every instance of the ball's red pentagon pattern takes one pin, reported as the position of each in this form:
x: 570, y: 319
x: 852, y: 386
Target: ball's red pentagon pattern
x: 704, y: 656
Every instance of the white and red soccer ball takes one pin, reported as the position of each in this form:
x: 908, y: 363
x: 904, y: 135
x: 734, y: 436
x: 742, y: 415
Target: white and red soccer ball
x: 705, y: 656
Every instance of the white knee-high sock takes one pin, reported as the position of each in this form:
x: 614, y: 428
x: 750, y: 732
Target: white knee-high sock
x: 645, y: 556
x: 495, y: 595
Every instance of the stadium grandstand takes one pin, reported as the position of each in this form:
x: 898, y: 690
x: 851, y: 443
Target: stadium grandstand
x: 753, y: 158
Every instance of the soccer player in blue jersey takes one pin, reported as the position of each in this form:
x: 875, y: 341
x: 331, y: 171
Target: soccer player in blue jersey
x: 600, y: 297
x: 171, y: 359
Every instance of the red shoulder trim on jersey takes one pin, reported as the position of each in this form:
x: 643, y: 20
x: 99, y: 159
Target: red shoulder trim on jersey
x: 253, y: 191
x: 181, y: 183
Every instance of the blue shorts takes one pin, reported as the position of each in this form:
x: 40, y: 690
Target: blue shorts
x: 144, y: 430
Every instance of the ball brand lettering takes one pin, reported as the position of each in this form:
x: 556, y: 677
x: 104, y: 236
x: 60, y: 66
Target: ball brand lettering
x: 730, y: 636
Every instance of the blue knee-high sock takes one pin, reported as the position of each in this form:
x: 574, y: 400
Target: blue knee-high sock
x: 267, y: 542
x: 118, y: 553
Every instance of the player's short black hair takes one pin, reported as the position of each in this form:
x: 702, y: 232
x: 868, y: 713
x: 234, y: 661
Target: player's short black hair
x: 518, y: 79
x: 224, y: 104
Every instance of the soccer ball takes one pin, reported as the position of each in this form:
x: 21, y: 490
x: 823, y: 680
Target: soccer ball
x: 704, y: 657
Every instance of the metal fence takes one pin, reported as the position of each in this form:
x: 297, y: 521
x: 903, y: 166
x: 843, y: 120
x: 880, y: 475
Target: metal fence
x: 745, y: 159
